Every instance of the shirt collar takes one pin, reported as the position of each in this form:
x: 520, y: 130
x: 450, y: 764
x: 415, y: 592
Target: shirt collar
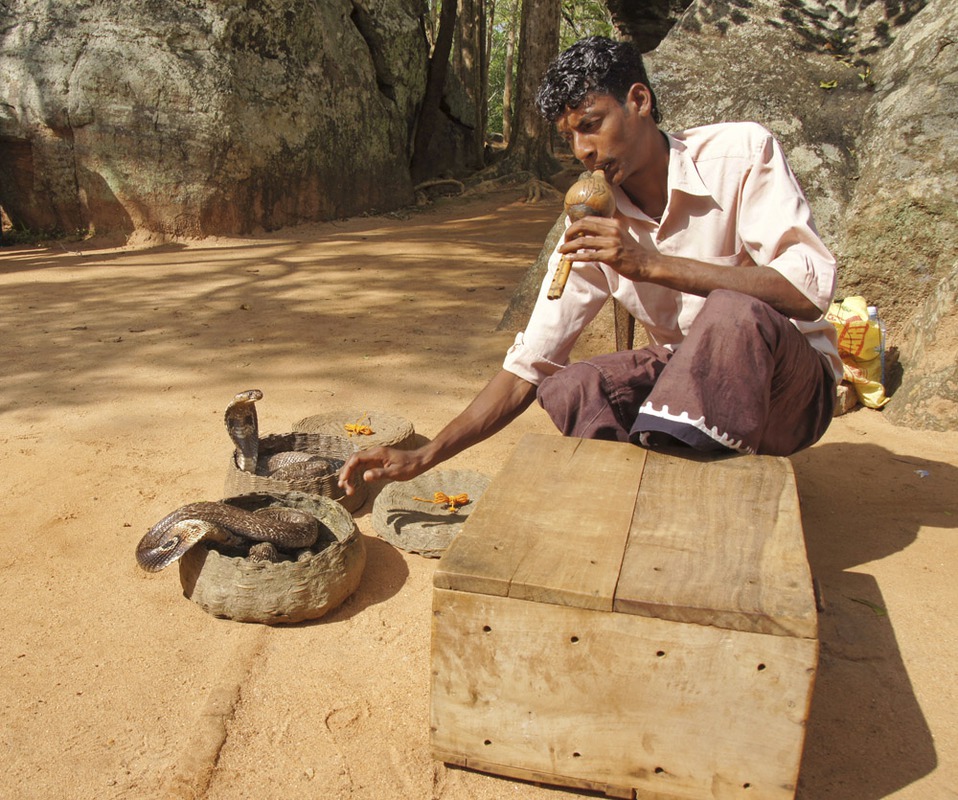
x: 683, y: 174
x: 683, y: 177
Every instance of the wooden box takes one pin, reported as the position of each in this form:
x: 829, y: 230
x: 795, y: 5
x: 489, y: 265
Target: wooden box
x: 628, y: 621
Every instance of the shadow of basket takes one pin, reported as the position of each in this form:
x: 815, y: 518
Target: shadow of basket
x: 403, y: 516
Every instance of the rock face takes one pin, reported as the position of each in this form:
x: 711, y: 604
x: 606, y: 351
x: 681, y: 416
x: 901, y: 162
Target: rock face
x: 204, y: 118
x: 767, y: 61
x: 928, y: 395
x: 648, y: 22
x: 902, y: 224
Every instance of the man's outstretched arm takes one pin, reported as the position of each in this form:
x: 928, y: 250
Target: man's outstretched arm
x: 503, y: 399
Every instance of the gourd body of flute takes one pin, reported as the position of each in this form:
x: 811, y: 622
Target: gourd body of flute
x: 590, y: 196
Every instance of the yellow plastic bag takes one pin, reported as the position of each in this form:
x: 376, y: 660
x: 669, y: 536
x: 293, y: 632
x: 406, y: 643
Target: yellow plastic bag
x: 859, y: 345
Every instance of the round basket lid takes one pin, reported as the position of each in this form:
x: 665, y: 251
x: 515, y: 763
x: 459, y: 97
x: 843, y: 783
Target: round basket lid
x: 423, y: 526
x: 375, y: 428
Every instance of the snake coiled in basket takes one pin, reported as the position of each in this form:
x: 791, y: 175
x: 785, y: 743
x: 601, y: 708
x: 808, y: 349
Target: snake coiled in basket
x: 303, y: 462
x: 169, y: 539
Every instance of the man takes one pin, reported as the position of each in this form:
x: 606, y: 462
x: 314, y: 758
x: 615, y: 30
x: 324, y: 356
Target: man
x: 712, y: 249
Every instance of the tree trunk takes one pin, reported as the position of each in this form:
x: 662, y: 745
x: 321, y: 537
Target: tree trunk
x: 489, y: 22
x: 435, y: 81
x: 538, y: 44
x: 508, y: 78
x: 487, y: 10
x: 431, y: 20
x: 469, y: 61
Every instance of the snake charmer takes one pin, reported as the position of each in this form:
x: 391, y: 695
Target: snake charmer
x: 711, y: 248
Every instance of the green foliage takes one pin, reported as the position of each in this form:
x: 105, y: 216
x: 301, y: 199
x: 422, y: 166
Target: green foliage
x: 579, y: 18
x: 582, y: 18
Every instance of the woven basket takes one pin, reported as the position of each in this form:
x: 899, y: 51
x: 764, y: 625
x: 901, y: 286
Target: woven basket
x: 420, y: 527
x: 285, y: 592
x: 325, y: 485
x: 389, y: 430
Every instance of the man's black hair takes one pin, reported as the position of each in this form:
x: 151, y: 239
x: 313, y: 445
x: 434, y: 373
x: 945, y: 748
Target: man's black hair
x: 593, y: 64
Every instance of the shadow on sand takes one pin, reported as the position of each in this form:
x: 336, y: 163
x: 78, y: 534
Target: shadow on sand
x: 867, y: 736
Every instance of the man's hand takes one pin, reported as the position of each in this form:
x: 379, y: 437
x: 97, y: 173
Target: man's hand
x: 607, y: 241
x: 503, y: 399
x: 381, y: 463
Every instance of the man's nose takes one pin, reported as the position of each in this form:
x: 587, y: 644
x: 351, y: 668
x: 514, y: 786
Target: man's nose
x: 582, y: 147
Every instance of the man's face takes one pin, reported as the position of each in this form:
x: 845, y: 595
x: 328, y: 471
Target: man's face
x: 605, y: 134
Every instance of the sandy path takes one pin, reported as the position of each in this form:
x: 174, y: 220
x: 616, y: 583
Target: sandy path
x: 117, y: 366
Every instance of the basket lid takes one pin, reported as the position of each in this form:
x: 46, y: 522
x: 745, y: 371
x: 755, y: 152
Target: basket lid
x: 407, y: 515
x: 364, y: 429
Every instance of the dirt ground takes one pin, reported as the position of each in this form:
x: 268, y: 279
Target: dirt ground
x: 117, y: 366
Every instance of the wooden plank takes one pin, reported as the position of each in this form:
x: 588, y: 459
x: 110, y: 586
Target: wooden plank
x: 483, y: 556
x: 615, y: 700
x: 573, y: 551
x: 552, y: 526
x: 719, y: 542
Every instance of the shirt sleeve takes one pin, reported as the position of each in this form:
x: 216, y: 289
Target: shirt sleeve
x: 545, y: 346
x: 776, y: 226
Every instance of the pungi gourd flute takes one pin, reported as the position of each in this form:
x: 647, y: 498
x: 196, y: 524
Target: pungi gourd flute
x: 590, y: 196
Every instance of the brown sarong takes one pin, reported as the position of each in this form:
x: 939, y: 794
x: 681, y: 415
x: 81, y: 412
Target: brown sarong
x: 744, y: 379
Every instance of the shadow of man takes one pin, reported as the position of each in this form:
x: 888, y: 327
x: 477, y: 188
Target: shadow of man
x: 866, y: 736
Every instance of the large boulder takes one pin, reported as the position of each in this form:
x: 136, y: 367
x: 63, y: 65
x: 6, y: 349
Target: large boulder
x: 648, y: 22
x: 770, y: 61
x: 928, y: 395
x: 901, y: 236
x: 902, y: 224
x: 205, y: 118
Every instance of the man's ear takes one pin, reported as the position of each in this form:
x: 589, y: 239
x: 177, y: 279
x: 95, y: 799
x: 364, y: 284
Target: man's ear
x: 640, y: 98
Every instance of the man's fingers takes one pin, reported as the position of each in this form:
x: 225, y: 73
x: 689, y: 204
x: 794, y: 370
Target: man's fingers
x: 591, y: 226
x: 586, y: 242
x: 355, y: 462
x: 380, y: 463
x: 374, y: 474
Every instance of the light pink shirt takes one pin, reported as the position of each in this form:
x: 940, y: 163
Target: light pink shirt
x: 733, y: 201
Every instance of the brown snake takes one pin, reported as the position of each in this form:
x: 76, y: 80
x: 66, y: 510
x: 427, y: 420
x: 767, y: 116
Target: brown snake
x: 179, y: 530
x: 243, y: 427
x: 285, y: 528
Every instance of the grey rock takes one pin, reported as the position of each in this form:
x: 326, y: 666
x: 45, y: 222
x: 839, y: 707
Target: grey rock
x: 901, y: 224
x: 928, y: 395
x: 205, y: 118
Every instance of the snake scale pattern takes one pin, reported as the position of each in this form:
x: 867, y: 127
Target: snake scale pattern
x: 178, y: 531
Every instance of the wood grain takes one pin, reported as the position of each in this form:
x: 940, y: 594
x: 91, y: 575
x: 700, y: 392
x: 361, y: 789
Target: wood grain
x: 552, y: 526
x: 605, y: 700
x: 720, y: 543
